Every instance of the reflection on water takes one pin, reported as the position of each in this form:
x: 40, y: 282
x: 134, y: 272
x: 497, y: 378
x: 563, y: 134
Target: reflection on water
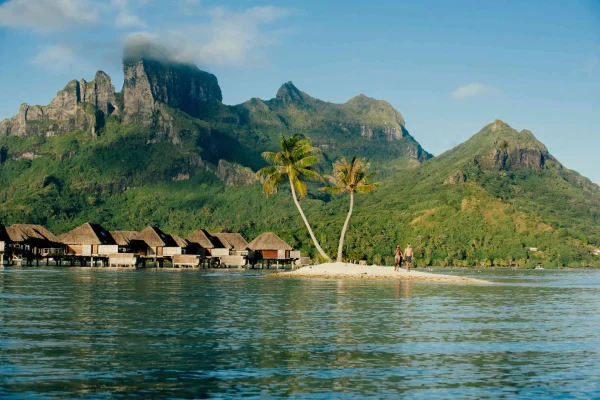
x: 402, y: 289
x: 175, y: 333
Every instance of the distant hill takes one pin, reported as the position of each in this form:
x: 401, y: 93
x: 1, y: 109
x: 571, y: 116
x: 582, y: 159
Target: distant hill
x: 488, y: 199
x: 165, y: 150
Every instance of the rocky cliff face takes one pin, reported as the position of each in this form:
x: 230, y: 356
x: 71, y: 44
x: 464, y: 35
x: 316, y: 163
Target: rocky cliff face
x: 149, y: 86
x: 456, y: 178
x: 233, y: 174
x: 100, y: 93
x: 80, y: 105
x: 516, y: 158
x: 183, y: 87
x: 512, y: 150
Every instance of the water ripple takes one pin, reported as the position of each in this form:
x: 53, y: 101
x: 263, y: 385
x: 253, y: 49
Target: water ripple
x: 82, y: 333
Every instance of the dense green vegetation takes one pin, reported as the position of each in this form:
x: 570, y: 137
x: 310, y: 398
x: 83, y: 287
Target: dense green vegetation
x: 485, y: 202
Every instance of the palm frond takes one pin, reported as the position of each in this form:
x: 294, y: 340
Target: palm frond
x: 272, y: 183
x: 300, y: 187
x: 269, y: 156
x: 333, y: 189
x: 266, y: 171
x: 307, y: 161
x: 363, y: 189
x: 309, y: 174
x: 350, y: 176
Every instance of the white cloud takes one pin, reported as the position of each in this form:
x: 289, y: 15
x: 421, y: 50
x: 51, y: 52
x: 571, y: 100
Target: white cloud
x: 227, y: 39
x: 47, y: 15
x: 127, y: 20
x: 55, y: 57
x: 473, y: 89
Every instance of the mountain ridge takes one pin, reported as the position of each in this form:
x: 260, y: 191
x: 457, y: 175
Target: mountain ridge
x: 166, y: 151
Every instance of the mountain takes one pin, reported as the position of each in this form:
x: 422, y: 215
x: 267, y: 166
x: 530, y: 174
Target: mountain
x: 490, y: 198
x: 92, y: 145
x: 166, y: 151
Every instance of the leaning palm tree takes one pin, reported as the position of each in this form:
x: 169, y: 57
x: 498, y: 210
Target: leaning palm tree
x: 295, y: 160
x: 352, y: 177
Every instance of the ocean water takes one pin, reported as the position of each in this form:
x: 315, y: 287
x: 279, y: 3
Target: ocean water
x: 100, y: 333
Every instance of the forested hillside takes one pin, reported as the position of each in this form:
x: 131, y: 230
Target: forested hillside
x: 165, y: 151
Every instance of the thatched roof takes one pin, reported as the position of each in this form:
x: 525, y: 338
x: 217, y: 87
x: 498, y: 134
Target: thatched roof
x: 3, y: 234
x: 23, y: 232
x: 180, y: 242
x: 154, y: 237
x: 123, y: 238
x: 268, y: 241
x: 201, y: 238
x: 234, y: 240
x: 87, y: 234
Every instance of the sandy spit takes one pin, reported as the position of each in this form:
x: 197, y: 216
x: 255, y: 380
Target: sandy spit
x: 372, y: 272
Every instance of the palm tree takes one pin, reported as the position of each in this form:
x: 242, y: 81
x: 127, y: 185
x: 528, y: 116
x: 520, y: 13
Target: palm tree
x: 295, y: 160
x: 350, y: 177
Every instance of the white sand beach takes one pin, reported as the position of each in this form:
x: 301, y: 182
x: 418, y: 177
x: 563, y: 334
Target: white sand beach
x: 372, y: 272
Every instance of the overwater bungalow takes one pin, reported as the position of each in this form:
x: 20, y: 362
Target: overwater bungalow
x: 181, y: 243
x: 90, y: 240
x: 269, y: 246
x: 200, y: 242
x: 238, y: 246
x: 34, y: 242
x: 123, y: 240
x: 152, y: 242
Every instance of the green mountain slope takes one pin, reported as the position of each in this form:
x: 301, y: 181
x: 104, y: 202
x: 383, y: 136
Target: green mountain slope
x: 92, y: 148
x: 166, y: 151
x: 490, y: 198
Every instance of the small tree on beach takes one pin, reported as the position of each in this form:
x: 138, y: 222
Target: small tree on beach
x: 295, y: 161
x: 352, y: 177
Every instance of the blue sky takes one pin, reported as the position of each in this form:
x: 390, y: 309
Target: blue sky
x: 449, y: 67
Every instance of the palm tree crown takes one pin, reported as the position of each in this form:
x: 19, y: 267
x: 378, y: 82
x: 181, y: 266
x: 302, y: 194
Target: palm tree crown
x: 351, y: 177
x: 296, y: 159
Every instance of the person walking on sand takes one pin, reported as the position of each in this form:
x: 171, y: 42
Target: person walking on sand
x: 408, y: 254
x: 397, y: 258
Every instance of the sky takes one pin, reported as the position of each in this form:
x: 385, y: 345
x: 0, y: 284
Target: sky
x: 449, y: 67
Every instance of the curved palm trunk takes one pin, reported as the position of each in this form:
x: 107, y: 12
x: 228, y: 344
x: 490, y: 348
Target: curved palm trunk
x: 312, y: 235
x: 345, y: 228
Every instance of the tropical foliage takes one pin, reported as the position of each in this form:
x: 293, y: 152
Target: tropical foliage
x: 295, y: 161
x: 131, y: 176
x: 352, y: 177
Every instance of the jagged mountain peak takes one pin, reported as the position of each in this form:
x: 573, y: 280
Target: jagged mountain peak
x: 500, y: 134
x: 362, y: 98
x: 153, y: 77
x: 289, y: 93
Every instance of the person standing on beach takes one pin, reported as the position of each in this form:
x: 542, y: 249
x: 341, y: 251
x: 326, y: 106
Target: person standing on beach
x: 397, y: 258
x: 408, y: 253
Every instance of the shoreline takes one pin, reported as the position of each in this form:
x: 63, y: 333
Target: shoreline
x: 372, y: 272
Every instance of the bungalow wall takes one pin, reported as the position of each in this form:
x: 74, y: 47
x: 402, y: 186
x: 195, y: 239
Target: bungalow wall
x: 91, y: 249
x: 219, y: 252
x: 268, y: 254
x: 106, y: 249
x: 172, y: 251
